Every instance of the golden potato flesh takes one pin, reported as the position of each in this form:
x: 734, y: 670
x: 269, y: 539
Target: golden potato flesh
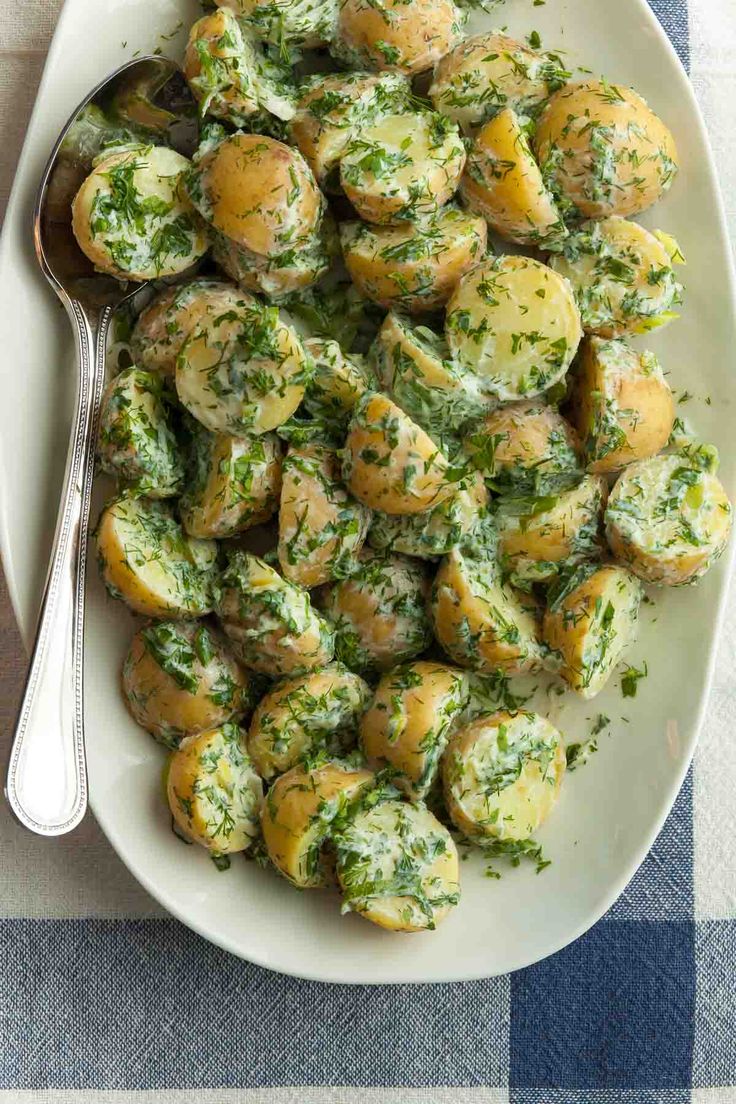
x: 338, y: 381
x: 165, y: 324
x: 389, y: 463
x: 270, y: 622
x: 379, y: 613
x: 217, y: 69
x: 603, y: 150
x: 242, y: 373
x: 298, y: 815
x: 514, y: 321
x: 321, y: 526
x: 148, y: 562
x: 398, y: 867
x: 621, y: 276
x: 590, y: 621
x: 439, y: 530
x: 621, y: 404
x: 402, y: 167
x: 480, y: 621
x: 537, y: 535
x: 307, y: 716
x: 179, y: 679
x: 488, y: 72
x: 502, y: 183
x: 502, y: 775
x: 129, y: 219
x: 234, y: 483
x: 396, y: 35
x: 668, y: 517
x: 258, y: 192
x: 524, y: 448
x: 409, y: 721
x: 415, y: 266
x: 288, y: 272
x: 214, y: 794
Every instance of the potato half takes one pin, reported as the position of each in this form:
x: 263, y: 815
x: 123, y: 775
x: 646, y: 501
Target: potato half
x: 439, y: 530
x: 524, y: 448
x: 337, y: 382
x: 219, y: 68
x: 396, y: 35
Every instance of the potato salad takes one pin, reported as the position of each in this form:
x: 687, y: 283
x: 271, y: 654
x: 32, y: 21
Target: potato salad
x: 386, y: 438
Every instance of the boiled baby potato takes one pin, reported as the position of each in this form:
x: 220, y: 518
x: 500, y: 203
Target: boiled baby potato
x: 396, y: 35
x: 337, y: 382
x: 590, y: 621
x: 313, y: 714
x: 480, y: 621
x: 621, y: 404
x: 402, y: 166
x: 524, y: 448
x: 414, y: 266
x: 179, y: 679
x: 165, y: 324
x: 333, y: 107
x: 306, y: 23
x: 621, y: 275
x: 288, y: 272
x: 488, y: 72
x: 233, y: 483
x: 398, y: 867
x: 321, y: 527
x: 409, y: 721
x: 270, y: 621
x: 503, y: 183
x: 514, y: 322
x: 668, y: 517
x: 502, y: 775
x: 379, y: 614
x: 243, y: 372
x: 219, y: 68
x: 298, y: 818
x: 130, y: 220
x: 437, y: 531
x: 389, y: 463
x: 148, y: 562
x: 136, y: 441
x: 537, y: 535
x: 214, y: 794
x: 258, y: 192
x: 603, y: 150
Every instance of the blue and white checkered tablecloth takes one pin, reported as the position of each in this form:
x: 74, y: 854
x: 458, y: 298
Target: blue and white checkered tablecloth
x: 104, y: 999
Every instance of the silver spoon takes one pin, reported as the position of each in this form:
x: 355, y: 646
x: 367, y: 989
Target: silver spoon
x: 46, y: 783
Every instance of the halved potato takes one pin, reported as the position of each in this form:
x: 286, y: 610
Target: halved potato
x: 524, y: 448
x: 321, y: 527
x: 480, y: 621
x: 338, y: 381
x: 398, y: 867
x: 409, y: 721
x: 179, y: 679
x: 129, y: 219
x: 621, y: 275
x: 270, y: 622
x: 148, y: 562
x: 307, y: 23
x: 379, y: 614
x: 621, y: 404
x: 291, y: 271
x: 402, y: 166
x: 438, y: 531
x: 298, y: 815
x: 590, y: 621
x: 217, y: 69
x: 214, y: 794
x: 416, y: 265
x: 514, y: 321
x: 668, y: 517
x: 396, y: 35
x: 306, y: 716
x: 503, y: 183
x: 502, y: 775
x: 603, y: 150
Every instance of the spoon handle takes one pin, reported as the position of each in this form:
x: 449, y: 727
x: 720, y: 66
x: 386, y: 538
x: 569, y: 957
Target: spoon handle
x: 47, y: 775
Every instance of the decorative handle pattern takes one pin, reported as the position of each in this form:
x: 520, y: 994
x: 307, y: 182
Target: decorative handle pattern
x: 47, y: 775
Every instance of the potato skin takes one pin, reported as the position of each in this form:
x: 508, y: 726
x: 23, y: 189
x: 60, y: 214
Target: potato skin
x: 603, y: 150
x: 525, y: 447
x: 297, y: 815
x: 621, y: 404
x: 222, y: 86
x: 213, y: 792
x: 397, y: 36
x: 591, y: 623
x: 179, y: 679
x: 486, y: 798
x: 409, y: 720
x: 389, y: 463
